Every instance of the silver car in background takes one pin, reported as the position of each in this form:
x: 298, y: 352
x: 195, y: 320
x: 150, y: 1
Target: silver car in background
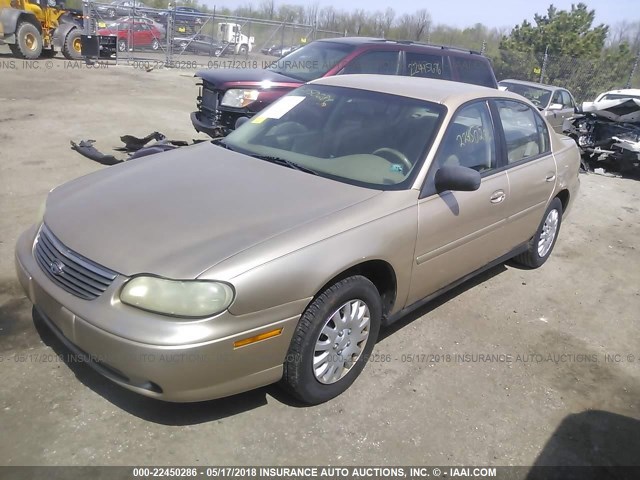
x: 555, y: 103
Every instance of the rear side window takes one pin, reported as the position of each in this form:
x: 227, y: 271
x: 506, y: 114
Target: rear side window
x: 525, y: 132
x: 473, y: 70
x: 427, y: 66
x: 378, y: 62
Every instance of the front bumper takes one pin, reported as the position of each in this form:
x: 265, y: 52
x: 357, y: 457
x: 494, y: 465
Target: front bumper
x: 200, y: 369
x: 205, y: 125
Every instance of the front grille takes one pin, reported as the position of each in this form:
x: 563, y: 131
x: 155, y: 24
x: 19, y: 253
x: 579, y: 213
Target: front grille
x: 209, y: 100
x: 70, y: 271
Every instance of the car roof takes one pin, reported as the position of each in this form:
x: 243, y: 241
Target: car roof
x: 531, y: 84
x: 446, y: 92
x: 623, y: 91
x: 386, y: 41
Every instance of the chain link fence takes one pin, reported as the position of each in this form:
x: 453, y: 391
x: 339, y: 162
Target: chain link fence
x: 585, y: 78
x: 186, y: 36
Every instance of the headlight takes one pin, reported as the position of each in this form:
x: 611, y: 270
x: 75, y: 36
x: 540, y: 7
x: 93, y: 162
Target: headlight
x: 180, y: 298
x: 239, y: 97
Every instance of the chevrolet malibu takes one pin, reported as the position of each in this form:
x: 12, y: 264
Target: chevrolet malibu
x: 277, y: 253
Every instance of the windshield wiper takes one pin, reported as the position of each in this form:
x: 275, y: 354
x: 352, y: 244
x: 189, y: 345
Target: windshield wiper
x: 284, y: 162
x: 221, y: 143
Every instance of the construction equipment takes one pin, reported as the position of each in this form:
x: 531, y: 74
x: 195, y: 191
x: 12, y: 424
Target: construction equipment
x: 35, y: 29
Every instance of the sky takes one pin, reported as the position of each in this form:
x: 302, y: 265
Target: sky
x: 464, y: 13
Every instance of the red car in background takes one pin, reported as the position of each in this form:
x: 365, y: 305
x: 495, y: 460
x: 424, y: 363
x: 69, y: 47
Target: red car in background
x: 133, y: 34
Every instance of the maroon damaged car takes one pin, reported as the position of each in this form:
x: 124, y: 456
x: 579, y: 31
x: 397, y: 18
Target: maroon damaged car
x: 229, y: 96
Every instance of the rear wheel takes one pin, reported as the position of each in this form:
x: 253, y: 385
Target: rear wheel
x: 28, y: 41
x: 333, y: 340
x: 72, y: 48
x: 541, y: 244
x: 155, y: 45
x: 122, y: 45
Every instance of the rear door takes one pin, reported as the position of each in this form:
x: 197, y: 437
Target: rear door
x: 556, y: 117
x: 530, y: 167
x: 569, y: 107
x: 381, y: 62
x: 426, y: 65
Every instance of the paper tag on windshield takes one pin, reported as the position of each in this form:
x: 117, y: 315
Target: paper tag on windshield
x: 281, y: 107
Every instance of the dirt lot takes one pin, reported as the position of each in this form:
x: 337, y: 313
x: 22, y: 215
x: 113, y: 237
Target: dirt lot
x: 540, y: 407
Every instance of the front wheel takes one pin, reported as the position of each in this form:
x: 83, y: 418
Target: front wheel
x: 333, y: 340
x: 541, y: 244
x: 155, y: 45
x: 122, y: 45
x: 243, y: 49
x: 72, y: 48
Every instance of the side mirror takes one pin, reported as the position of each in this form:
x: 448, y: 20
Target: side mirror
x: 241, y: 121
x: 462, y: 179
x: 555, y: 106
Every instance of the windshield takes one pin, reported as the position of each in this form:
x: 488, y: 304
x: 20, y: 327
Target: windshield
x: 538, y: 96
x: 311, y: 61
x: 360, y: 137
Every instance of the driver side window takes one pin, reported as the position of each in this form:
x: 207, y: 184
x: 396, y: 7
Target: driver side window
x: 469, y: 140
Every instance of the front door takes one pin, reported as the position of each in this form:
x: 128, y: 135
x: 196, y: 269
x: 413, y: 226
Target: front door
x: 459, y: 232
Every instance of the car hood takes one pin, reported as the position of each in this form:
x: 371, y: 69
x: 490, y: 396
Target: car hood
x: 178, y: 213
x: 225, y: 78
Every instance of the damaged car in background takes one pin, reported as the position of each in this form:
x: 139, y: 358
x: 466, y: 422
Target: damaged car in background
x: 608, y: 131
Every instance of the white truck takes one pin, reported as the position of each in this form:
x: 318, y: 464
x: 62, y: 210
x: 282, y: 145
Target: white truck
x: 230, y: 34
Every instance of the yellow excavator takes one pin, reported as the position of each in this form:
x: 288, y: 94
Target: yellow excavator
x: 35, y: 29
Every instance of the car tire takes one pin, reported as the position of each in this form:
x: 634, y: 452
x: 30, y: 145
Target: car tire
x: 541, y: 244
x: 122, y: 45
x: 321, y: 338
x: 155, y: 45
x: 28, y: 41
x: 72, y: 48
x: 111, y: 13
x: 243, y: 49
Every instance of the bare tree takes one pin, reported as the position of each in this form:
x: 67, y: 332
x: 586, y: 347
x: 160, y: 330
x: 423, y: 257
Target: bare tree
x: 311, y: 13
x: 358, y: 20
x: 387, y: 20
x: 414, y: 27
x: 268, y: 9
x: 422, y: 24
x: 625, y: 32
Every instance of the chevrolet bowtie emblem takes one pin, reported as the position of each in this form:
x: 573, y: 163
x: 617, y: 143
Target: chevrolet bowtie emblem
x: 56, y: 267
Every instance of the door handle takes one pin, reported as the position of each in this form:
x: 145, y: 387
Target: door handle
x: 551, y: 177
x: 497, y: 196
